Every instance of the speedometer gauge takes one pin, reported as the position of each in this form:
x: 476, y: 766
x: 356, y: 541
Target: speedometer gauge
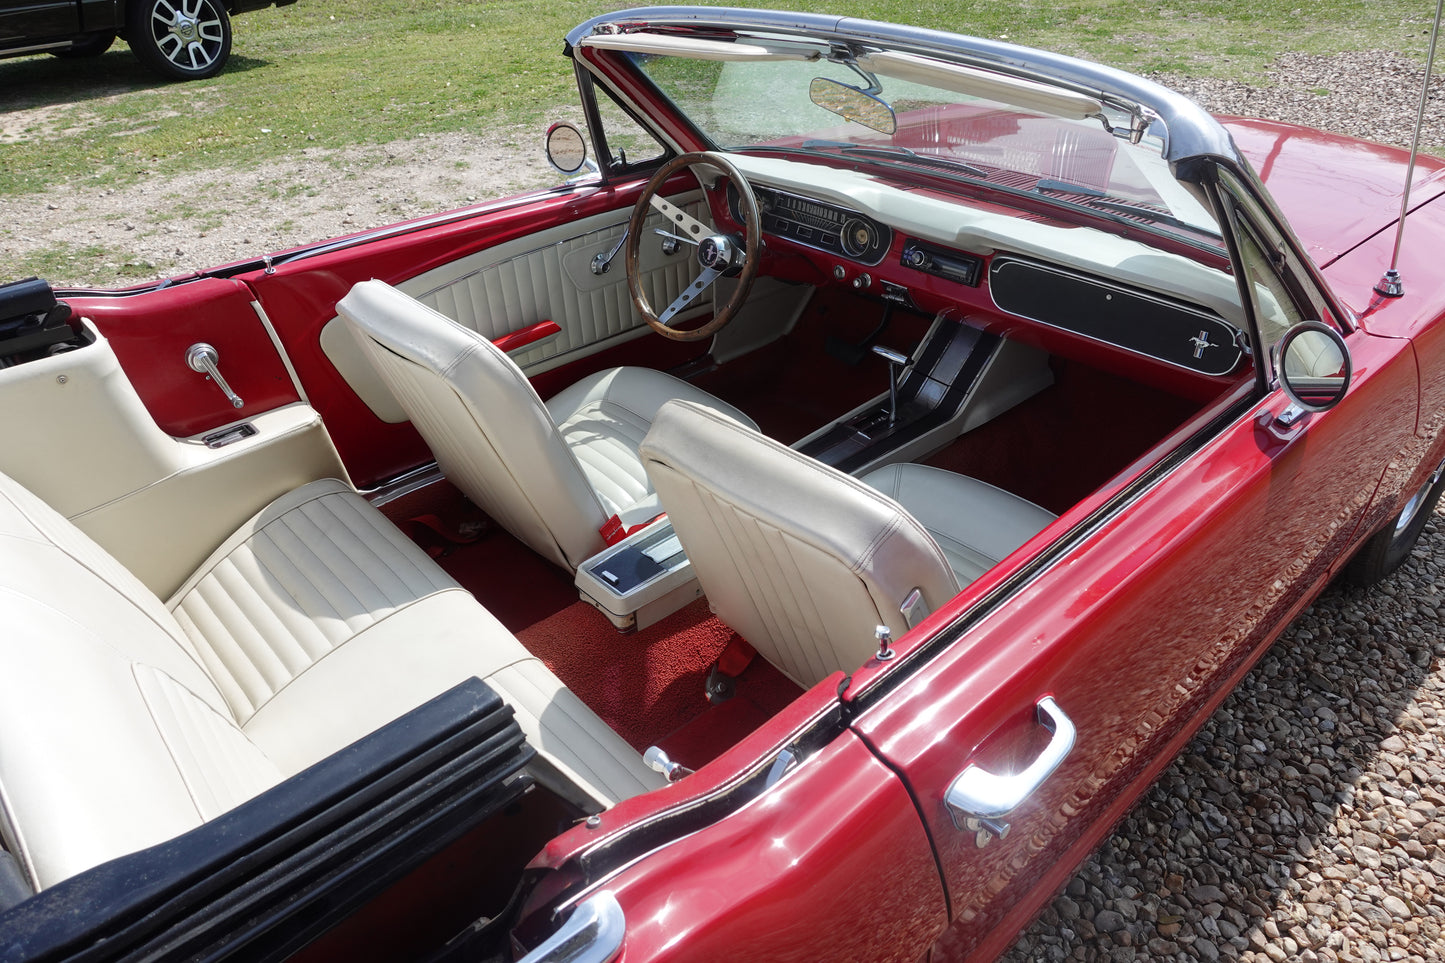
x: 858, y: 237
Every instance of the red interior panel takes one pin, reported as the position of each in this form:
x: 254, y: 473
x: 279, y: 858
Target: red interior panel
x: 151, y: 331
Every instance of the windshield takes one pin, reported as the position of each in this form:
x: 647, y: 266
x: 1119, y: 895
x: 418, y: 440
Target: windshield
x: 956, y: 121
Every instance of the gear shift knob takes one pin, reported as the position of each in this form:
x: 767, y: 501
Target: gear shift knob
x: 897, y: 361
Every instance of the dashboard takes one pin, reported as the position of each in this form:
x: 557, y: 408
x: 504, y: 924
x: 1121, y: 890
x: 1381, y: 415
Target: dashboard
x: 1044, y: 287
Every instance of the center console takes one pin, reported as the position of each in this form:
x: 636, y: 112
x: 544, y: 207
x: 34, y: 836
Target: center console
x: 640, y: 580
x: 957, y: 379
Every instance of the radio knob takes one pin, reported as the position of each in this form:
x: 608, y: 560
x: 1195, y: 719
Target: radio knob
x: 915, y: 257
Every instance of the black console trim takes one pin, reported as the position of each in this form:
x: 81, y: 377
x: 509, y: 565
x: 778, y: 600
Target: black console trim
x: 934, y: 391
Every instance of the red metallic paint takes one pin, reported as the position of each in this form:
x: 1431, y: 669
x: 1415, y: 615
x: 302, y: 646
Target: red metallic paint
x: 1138, y: 633
x: 1336, y: 192
x: 151, y: 330
x: 829, y: 864
x: 1416, y: 316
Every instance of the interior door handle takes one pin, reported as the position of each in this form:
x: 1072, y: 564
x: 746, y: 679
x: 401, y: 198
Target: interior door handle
x: 987, y: 797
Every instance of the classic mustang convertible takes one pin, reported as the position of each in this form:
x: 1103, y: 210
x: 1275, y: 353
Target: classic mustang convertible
x: 800, y: 536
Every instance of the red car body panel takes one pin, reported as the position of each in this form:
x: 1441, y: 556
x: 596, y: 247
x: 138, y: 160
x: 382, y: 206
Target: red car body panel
x: 1172, y: 601
x: 1335, y: 191
x: 831, y: 863
x: 1138, y: 627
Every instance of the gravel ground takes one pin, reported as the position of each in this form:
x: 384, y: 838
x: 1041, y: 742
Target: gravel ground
x: 1307, y: 819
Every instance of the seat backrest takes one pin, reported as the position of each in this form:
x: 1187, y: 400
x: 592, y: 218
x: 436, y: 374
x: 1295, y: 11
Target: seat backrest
x: 488, y: 429
x: 801, y: 560
x: 112, y: 735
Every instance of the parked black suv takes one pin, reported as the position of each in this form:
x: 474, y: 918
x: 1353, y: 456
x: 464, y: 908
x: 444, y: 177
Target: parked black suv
x: 182, y: 39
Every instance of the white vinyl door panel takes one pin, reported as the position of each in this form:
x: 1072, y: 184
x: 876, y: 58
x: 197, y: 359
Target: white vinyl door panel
x: 548, y: 277
x: 545, y: 276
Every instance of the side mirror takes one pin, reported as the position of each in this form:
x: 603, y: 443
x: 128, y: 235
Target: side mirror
x: 1313, y: 365
x: 566, y: 148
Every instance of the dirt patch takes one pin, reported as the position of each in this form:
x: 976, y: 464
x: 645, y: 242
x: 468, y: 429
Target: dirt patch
x: 167, y: 225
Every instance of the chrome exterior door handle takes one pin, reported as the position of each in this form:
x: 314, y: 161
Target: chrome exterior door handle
x: 985, y: 797
x: 204, y: 359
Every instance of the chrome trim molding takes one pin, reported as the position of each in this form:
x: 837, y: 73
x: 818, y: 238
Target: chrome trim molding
x: 592, y: 934
x: 1191, y: 132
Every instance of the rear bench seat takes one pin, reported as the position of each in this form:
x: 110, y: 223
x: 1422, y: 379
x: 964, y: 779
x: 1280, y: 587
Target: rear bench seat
x: 125, y: 720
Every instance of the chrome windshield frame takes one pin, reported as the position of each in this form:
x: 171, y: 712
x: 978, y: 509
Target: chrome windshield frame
x: 1192, y: 135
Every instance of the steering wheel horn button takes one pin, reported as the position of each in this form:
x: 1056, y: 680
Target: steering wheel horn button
x: 716, y: 253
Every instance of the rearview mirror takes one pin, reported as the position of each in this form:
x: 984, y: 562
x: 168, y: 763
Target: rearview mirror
x: 853, y: 104
x: 1313, y: 365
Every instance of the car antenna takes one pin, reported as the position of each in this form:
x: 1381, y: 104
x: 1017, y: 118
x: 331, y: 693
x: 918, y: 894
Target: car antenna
x: 1390, y: 286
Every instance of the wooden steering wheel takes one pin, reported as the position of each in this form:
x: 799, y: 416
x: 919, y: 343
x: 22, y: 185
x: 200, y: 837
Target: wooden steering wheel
x: 718, y: 254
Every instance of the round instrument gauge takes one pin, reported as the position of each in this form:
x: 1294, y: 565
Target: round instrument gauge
x: 859, y: 237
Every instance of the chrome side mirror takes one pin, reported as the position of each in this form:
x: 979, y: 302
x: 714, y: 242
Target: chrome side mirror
x: 1312, y: 363
x: 566, y: 148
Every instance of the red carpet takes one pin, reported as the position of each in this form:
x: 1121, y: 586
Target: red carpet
x: 795, y: 386
x: 649, y: 684
x: 1068, y: 439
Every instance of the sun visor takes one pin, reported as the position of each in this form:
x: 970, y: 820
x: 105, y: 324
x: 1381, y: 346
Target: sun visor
x: 1024, y: 94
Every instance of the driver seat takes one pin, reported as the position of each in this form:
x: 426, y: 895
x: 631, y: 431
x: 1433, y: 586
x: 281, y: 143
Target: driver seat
x: 552, y: 474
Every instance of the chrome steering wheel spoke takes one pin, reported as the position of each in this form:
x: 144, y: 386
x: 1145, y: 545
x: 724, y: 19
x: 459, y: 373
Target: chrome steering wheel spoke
x: 719, y: 250
x: 692, y: 230
x: 689, y: 295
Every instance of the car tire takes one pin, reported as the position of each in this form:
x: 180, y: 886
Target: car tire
x: 1388, y: 548
x: 180, y: 39
x: 88, y: 45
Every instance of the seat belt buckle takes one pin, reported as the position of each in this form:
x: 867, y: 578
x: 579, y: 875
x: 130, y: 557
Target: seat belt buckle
x: 613, y: 531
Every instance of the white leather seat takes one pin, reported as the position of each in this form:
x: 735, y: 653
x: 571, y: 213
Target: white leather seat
x: 804, y: 561
x: 551, y: 474
x: 126, y: 721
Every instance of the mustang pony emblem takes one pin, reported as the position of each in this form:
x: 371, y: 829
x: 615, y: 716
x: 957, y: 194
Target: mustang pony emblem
x: 1200, y: 343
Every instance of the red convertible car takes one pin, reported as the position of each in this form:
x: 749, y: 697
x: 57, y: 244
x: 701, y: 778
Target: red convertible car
x: 799, y: 536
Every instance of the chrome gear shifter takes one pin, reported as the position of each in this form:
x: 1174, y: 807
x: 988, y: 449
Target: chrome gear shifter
x: 897, y: 361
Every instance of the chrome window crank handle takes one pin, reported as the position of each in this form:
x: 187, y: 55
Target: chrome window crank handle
x: 202, y: 358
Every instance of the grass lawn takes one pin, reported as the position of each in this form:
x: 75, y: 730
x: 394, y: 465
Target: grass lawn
x: 332, y: 73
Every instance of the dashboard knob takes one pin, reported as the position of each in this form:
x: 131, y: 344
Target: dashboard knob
x: 915, y: 257
x: 862, y: 282
x: 839, y: 272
